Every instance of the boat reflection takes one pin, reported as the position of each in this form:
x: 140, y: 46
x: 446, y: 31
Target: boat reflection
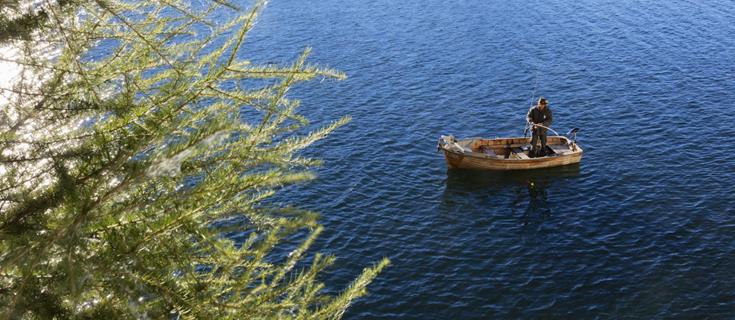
x: 528, y: 191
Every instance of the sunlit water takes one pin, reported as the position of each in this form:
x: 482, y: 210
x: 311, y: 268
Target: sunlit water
x: 9, y: 72
x: 644, y: 227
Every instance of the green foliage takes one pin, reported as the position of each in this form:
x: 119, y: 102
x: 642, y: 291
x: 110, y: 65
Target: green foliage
x: 18, y: 21
x: 124, y: 158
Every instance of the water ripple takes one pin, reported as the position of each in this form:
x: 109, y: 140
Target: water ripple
x: 644, y: 228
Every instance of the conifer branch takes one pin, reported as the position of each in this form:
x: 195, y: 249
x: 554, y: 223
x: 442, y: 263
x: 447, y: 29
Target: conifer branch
x: 123, y: 172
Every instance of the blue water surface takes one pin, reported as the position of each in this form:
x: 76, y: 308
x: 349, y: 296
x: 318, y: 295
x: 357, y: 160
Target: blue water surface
x: 644, y: 227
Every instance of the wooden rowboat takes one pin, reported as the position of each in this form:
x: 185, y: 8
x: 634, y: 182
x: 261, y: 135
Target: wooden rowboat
x: 507, y: 153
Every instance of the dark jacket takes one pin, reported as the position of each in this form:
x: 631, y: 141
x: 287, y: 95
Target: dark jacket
x: 542, y: 117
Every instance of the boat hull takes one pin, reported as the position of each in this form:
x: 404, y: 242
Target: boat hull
x: 461, y: 161
x: 479, y: 161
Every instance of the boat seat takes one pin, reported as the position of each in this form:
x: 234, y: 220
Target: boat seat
x: 518, y: 153
x: 488, y: 151
x: 560, y: 148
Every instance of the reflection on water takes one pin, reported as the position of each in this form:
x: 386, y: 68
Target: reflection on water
x: 529, y: 190
x: 537, y: 205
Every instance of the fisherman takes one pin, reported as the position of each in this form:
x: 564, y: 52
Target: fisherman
x: 539, y: 115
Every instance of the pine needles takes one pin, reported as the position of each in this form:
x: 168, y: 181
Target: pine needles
x: 121, y: 153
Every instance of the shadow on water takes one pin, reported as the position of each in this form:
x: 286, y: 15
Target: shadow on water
x: 525, y: 194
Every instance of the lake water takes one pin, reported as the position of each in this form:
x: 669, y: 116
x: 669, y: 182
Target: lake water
x: 644, y: 227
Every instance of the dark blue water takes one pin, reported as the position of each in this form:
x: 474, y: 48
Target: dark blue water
x: 643, y: 228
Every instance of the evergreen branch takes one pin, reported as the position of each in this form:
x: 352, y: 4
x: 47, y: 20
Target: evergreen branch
x: 187, y: 13
x: 73, y: 49
x: 82, y: 214
x: 295, y: 256
x: 336, y: 308
x: 247, y: 25
x: 268, y: 72
x: 103, y: 4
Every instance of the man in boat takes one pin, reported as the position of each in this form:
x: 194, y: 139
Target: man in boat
x: 540, y: 114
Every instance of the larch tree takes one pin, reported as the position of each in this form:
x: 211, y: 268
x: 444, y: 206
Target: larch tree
x: 132, y: 139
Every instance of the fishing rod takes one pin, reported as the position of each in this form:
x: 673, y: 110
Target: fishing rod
x: 533, y: 94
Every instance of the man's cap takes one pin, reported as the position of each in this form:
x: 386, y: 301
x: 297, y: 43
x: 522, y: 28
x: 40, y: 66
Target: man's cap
x: 542, y: 100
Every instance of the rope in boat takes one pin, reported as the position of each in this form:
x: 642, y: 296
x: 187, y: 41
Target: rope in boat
x: 545, y: 127
x: 572, y: 144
